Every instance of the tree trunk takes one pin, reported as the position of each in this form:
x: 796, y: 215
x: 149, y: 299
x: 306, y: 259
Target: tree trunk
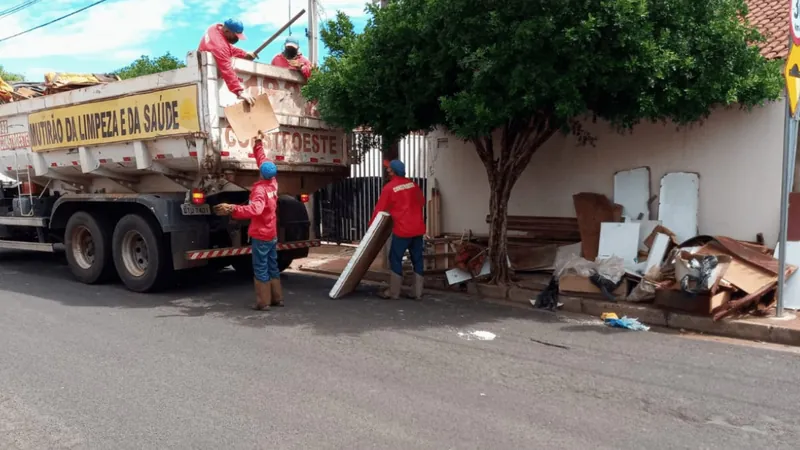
x: 519, y: 141
x: 500, y: 191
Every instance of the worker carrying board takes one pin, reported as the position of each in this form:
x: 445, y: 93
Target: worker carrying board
x: 404, y: 201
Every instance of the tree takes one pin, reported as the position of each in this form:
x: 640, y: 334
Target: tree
x: 507, y: 76
x: 146, y: 65
x: 10, y: 77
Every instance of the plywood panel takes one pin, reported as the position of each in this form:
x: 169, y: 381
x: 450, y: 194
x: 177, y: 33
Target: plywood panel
x: 679, y: 200
x: 247, y: 120
x: 366, y: 252
x: 632, y: 192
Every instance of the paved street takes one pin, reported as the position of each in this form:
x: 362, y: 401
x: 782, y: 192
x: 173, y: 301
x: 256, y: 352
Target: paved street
x: 103, y: 368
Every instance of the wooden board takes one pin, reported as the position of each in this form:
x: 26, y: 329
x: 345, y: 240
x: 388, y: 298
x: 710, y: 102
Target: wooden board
x: 679, y: 201
x: 632, y: 192
x: 366, y: 252
x: 246, y: 121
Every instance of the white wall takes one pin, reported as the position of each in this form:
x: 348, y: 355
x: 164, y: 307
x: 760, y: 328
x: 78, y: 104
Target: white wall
x: 737, y: 154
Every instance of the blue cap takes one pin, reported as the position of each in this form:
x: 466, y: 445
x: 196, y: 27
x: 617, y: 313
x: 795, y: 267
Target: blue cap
x: 268, y: 170
x: 291, y: 40
x: 236, y: 26
x: 398, y: 167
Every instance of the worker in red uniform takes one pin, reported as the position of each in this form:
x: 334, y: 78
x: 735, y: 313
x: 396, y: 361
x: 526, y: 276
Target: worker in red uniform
x: 404, y: 201
x: 263, y: 230
x: 219, y: 40
x: 291, y: 58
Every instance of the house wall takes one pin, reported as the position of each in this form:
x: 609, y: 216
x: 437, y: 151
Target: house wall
x: 737, y: 154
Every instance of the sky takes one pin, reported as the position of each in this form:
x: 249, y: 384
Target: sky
x: 113, y: 34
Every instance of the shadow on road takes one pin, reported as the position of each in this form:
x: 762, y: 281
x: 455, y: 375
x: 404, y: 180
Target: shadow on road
x: 224, y: 294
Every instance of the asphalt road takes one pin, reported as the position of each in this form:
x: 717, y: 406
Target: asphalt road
x: 102, y: 368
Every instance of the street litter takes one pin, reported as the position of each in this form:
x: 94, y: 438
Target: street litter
x: 477, y: 335
x: 613, y: 321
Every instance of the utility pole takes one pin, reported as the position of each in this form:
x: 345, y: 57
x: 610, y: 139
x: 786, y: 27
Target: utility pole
x: 313, y: 33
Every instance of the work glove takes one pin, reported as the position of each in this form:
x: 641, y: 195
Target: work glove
x: 246, y: 96
x: 250, y: 56
x: 295, y: 63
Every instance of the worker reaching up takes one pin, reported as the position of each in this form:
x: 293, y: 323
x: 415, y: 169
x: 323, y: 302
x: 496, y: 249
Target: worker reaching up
x: 219, y: 40
x: 291, y: 58
x: 263, y: 230
x: 404, y: 201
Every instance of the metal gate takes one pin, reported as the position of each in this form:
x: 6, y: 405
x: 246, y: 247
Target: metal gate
x: 342, y: 210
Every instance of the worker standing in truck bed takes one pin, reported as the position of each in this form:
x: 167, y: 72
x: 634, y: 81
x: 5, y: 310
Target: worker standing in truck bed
x: 292, y: 58
x: 219, y: 40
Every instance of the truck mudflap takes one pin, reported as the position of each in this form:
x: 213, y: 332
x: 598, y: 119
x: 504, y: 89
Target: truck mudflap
x: 196, y: 255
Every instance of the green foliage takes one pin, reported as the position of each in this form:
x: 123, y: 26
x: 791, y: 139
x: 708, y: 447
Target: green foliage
x: 476, y: 65
x: 146, y: 65
x: 9, y: 77
x: 338, y: 34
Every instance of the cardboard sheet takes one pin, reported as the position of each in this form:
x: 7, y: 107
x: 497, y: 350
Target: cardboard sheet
x: 362, y: 258
x: 745, y: 276
x: 246, y: 121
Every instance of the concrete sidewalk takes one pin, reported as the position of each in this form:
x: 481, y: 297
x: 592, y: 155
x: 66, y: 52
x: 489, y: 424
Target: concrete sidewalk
x: 785, y: 331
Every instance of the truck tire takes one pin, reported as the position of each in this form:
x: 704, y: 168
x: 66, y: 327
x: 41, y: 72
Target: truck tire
x: 293, y: 218
x: 87, y: 241
x: 140, y: 254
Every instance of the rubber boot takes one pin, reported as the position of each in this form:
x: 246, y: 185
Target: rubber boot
x: 419, y: 285
x: 277, y: 292
x: 393, y: 291
x: 263, y: 295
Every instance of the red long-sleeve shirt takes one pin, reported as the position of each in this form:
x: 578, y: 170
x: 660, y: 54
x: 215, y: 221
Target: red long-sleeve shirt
x: 404, y: 201
x: 263, y: 206
x: 215, y: 43
x: 305, y: 68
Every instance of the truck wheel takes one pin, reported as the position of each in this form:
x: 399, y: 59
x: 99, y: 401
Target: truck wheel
x: 140, y: 254
x: 87, y: 241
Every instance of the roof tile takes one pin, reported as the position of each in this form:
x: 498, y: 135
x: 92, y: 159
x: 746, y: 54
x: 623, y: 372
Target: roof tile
x: 771, y: 17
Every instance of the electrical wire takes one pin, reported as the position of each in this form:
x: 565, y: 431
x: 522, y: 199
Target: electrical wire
x: 52, y: 21
x: 18, y: 8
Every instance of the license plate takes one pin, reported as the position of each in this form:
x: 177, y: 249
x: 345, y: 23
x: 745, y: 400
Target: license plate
x: 195, y: 210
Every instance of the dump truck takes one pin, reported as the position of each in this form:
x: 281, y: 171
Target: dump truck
x: 123, y: 176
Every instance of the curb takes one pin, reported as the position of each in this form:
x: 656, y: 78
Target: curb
x: 650, y: 315
x: 737, y: 328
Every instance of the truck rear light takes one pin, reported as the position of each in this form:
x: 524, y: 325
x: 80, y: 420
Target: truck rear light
x: 198, y: 197
x: 304, y: 198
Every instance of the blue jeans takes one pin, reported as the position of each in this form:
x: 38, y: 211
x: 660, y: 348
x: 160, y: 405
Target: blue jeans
x: 265, y: 260
x: 398, y: 248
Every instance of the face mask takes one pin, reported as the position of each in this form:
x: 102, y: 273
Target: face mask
x: 290, y: 52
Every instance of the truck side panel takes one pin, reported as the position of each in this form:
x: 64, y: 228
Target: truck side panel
x: 302, y: 139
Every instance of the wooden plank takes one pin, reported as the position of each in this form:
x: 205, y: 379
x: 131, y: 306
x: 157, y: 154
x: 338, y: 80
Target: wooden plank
x: 368, y: 249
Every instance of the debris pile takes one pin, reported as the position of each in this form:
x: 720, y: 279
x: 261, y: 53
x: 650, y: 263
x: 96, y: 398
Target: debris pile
x: 613, y: 250
x: 53, y: 84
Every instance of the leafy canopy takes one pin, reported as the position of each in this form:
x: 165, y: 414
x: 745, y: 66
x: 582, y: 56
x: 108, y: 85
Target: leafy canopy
x: 146, y: 65
x: 475, y: 65
x: 9, y: 76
